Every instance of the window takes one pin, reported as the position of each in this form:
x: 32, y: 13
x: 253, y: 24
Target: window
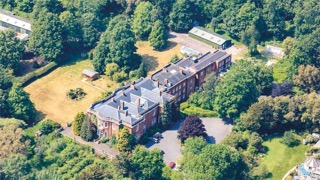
x: 191, y: 88
x: 113, y: 126
x: 154, y: 112
x: 184, y: 90
x: 144, y: 128
x: 201, y: 73
x: 173, y: 91
x: 191, y: 81
x: 137, y: 127
x: 154, y: 120
x: 184, y: 84
x: 179, y: 87
x: 105, y: 124
x: 176, y: 88
x: 137, y: 137
x: 184, y: 96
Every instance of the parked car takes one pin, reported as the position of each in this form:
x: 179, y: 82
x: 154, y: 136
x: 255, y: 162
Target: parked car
x: 172, y: 165
x: 158, y: 135
x: 155, y: 140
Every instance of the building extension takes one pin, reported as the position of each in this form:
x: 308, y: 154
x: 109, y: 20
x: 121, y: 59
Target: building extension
x: 213, y: 39
x: 138, y: 106
x: 21, y: 26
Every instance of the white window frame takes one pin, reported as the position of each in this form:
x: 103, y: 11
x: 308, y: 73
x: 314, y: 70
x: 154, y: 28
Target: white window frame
x: 154, y: 112
x: 184, y: 84
x: 105, y: 124
x: 137, y: 128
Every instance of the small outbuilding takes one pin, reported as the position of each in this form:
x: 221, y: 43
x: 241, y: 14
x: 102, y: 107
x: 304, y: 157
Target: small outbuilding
x: 213, y: 39
x: 90, y: 74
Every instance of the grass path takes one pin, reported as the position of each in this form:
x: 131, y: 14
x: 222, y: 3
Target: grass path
x: 280, y: 158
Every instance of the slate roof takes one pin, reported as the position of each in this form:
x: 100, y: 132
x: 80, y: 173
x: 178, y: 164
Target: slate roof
x: 210, y: 36
x: 170, y: 75
x: 10, y: 18
x: 202, y: 61
x: 89, y: 72
x: 129, y: 105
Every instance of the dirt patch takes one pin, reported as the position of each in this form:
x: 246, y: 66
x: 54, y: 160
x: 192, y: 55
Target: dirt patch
x: 157, y: 59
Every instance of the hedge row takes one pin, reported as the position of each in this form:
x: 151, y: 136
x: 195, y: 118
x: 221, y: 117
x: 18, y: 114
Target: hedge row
x: 190, y: 109
x: 28, y: 78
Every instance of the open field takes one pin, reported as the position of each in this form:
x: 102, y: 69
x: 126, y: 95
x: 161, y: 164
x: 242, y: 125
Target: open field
x: 157, y: 59
x: 49, y: 92
x: 280, y: 158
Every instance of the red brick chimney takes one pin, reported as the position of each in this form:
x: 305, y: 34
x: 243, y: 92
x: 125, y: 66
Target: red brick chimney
x: 126, y: 113
x: 156, y: 83
x: 138, y: 102
x: 166, y: 81
x: 160, y: 93
x: 122, y: 92
x: 181, y: 71
x: 132, y: 87
x: 165, y: 69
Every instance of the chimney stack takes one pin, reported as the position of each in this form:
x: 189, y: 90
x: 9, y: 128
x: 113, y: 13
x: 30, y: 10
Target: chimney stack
x: 119, y: 107
x: 138, y: 102
x: 122, y: 105
x: 122, y: 92
x: 156, y: 83
x: 126, y: 113
x: 181, y: 71
x: 166, y: 81
x: 165, y: 69
x: 160, y: 93
x: 132, y: 87
x: 113, y: 100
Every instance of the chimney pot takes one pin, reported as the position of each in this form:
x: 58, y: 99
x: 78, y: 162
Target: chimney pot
x: 181, y: 71
x: 166, y: 81
x: 122, y: 92
x: 138, y: 102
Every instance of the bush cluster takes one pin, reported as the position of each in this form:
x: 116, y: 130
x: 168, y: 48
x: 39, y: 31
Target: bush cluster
x: 188, y: 109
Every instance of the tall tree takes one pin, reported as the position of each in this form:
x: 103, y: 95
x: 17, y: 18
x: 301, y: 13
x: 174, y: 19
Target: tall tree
x: 126, y: 141
x: 11, y: 49
x: 162, y: 10
x: 193, y: 145
x: 77, y: 123
x: 158, y: 36
x: 122, y: 46
x: 238, y: 89
x: 182, y: 16
x: 147, y: 164
x: 273, y: 13
x: 20, y: 105
x: 213, y: 162
x: 90, y: 29
x: 87, y: 130
x: 72, y: 32
x: 142, y: 20
x: 306, y: 17
x: 166, y: 116
x: 191, y: 127
x: 46, y: 36
x: 308, y: 78
x: 100, y: 53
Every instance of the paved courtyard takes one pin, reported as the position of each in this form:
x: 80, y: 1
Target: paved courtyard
x: 217, y: 130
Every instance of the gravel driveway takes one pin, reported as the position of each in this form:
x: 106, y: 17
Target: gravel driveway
x: 217, y: 130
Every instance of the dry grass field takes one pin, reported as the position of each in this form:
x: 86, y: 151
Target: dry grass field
x: 49, y: 92
x: 157, y: 59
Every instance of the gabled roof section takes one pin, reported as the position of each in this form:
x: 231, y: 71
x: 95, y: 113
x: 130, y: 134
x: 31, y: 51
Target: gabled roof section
x: 130, y: 103
x: 10, y: 18
x: 209, y: 36
x: 89, y: 72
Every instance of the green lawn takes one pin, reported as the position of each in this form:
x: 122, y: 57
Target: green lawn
x: 280, y: 159
x: 280, y: 71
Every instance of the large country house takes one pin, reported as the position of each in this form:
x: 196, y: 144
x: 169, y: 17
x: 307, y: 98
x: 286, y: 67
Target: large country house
x: 138, y: 106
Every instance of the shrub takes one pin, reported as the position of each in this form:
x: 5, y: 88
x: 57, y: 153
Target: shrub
x: 290, y: 139
x: 119, y: 76
x: 76, y: 94
x: 87, y: 130
x: 104, y: 140
x: 37, y: 73
x: 58, y: 146
x: 113, y: 140
x: 190, y: 109
x: 47, y: 126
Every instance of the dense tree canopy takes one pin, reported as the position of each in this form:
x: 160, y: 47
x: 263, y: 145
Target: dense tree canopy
x: 142, y: 20
x: 308, y: 78
x: 147, y: 164
x: 213, y: 162
x: 87, y: 130
x: 181, y: 16
x: 20, y: 105
x: 11, y: 49
x: 46, y: 36
x: 77, y: 123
